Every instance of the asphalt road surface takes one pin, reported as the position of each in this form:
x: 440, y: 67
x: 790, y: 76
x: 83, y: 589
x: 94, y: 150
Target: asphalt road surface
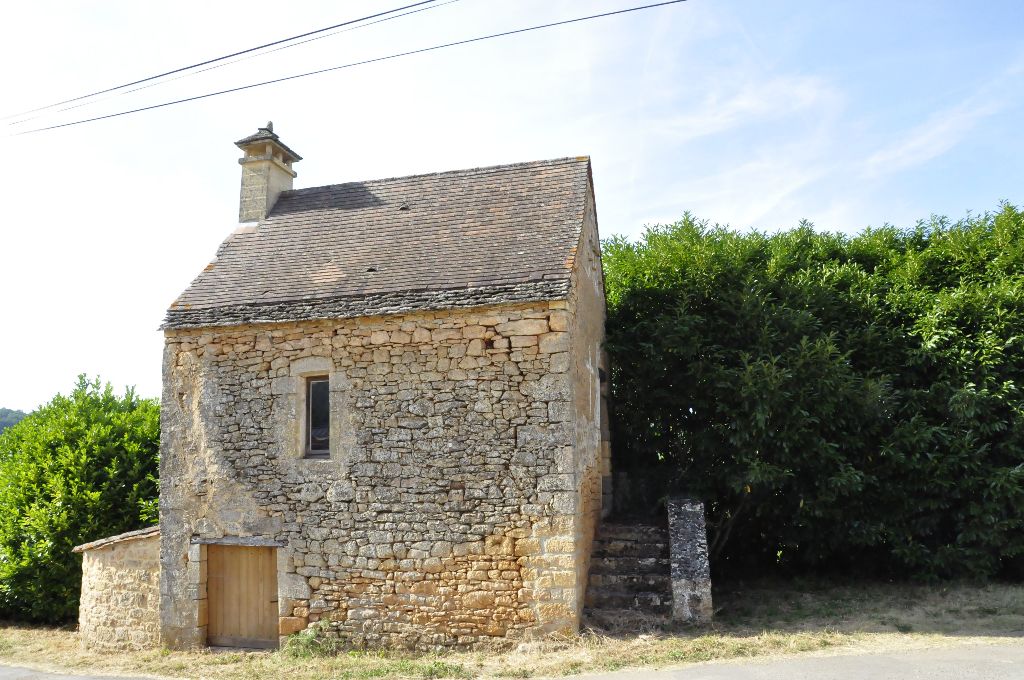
x: 15, y: 673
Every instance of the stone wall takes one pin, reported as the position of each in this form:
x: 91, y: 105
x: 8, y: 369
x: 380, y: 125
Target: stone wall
x: 464, y: 479
x: 121, y: 593
x: 589, y: 419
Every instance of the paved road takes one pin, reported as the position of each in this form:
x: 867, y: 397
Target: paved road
x: 15, y: 673
x: 968, y: 662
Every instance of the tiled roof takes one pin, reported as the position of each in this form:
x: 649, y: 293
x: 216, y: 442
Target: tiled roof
x: 450, y: 239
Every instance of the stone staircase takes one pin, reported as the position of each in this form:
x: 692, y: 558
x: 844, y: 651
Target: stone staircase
x: 629, y: 574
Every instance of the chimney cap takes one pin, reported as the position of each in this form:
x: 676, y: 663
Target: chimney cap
x: 267, y: 134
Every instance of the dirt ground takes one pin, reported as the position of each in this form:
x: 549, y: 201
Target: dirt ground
x: 755, y: 621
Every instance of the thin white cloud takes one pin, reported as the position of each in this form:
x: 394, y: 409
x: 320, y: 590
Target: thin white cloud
x: 756, y: 100
x: 746, y: 194
x: 944, y: 130
x: 935, y: 136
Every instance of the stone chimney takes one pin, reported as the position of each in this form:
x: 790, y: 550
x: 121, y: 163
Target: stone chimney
x: 266, y: 172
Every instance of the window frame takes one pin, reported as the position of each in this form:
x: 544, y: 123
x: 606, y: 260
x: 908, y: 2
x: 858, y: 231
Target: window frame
x: 307, y: 436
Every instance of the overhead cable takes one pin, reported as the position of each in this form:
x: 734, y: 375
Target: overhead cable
x: 216, y: 64
x: 350, y: 65
x: 211, y: 61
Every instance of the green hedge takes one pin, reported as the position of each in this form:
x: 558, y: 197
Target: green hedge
x: 78, y: 469
x: 839, y: 402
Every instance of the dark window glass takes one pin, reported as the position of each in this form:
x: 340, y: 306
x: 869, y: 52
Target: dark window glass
x: 318, y: 434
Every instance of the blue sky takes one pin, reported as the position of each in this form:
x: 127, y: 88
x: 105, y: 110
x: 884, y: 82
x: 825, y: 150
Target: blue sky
x: 749, y: 113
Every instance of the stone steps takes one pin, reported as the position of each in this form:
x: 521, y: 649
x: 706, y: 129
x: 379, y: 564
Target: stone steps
x: 630, y: 565
x: 629, y: 573
x: 633, y: 583
x: 604, y: 547
x: 632, y: 532
x: 631, y: 620
x: 652, y: 603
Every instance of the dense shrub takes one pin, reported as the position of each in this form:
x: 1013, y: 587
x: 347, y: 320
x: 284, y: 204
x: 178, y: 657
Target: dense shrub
x: 80, y: 468
x: 839, y: 402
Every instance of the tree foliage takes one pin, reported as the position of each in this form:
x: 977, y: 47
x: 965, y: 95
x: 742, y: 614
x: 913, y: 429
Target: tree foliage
x: 80, y: 468
x: 838, y: 402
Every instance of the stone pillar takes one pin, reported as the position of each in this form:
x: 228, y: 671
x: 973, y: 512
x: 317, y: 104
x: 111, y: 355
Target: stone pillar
x: 691, y: 572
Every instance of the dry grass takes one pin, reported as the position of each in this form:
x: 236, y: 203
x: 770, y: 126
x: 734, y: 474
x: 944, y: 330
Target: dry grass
x: 947, y: 610
x: 752, y: 622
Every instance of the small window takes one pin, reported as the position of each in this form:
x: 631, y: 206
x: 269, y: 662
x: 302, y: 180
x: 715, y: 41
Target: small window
x: 318, y: 421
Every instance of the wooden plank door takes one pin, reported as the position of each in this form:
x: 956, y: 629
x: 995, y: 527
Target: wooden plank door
x: 241, y: 584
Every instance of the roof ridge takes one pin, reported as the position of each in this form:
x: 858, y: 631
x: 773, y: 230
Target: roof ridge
x: 566, y: 160
x: 374, y: 304
x: 145, y: 532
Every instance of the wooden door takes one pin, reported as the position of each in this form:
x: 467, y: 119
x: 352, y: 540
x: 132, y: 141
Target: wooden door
x: 241, y: 584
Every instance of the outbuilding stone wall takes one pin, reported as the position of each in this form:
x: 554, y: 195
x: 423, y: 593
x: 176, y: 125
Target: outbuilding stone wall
x: 121, y: 592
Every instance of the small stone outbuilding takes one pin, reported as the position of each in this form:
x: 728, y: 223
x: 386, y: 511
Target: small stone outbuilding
x: 119, y: 607
x: 382, y: 410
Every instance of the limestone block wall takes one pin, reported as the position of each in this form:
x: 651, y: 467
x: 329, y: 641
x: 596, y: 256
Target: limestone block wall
x: 449, y: 511
x: 262, y: 184
x: 586, y: 331
x: 121, y: 593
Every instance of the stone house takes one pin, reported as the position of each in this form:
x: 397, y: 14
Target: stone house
x: 382, y: 410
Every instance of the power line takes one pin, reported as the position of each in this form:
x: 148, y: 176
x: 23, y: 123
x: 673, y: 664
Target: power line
x: 211, y: 61
x: 211, y: 68
x: 352, y: 64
